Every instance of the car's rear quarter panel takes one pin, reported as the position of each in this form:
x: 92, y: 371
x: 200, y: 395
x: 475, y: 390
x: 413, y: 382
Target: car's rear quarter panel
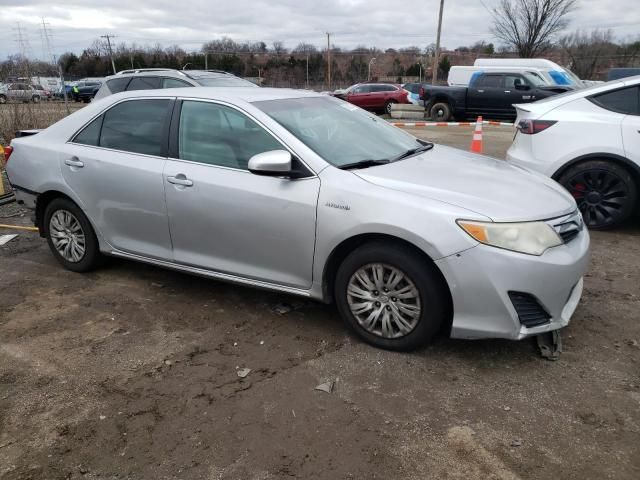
x: 582, y: 128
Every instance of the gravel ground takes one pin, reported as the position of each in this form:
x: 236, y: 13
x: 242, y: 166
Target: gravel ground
x: 130, y: 372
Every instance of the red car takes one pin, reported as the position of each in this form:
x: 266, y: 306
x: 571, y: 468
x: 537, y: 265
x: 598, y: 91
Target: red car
x: 376, y: 96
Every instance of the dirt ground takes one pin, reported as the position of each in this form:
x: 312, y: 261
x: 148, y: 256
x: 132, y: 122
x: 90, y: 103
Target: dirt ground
x: 130, y: 372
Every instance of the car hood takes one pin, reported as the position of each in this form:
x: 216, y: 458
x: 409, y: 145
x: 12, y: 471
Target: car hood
x: 489, y: 187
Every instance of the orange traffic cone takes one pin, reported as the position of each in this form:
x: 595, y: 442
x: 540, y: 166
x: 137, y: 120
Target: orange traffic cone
x: 476, y: 143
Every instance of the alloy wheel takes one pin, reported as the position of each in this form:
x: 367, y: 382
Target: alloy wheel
x: 600, y: 195
x: 384, y: 300
x: 67, y: 236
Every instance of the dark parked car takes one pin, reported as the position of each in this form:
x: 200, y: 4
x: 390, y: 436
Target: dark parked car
x: 375, y: 96
x: 86, y: 91
x: 491, y: 94
x: 618, y: 73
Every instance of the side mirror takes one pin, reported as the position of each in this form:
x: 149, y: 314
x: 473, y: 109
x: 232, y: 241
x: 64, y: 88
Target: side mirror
x: 275, y: 163
x: 522, y: 86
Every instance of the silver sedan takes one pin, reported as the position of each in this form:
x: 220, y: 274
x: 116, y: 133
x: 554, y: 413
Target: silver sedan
x: 306, y: 194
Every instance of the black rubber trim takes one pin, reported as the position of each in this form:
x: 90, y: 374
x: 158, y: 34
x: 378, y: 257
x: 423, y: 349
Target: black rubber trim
x: 172, y: 132
x: 26, y: 190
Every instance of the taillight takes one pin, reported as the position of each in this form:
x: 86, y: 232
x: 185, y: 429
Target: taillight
x: 421, y: 92
x: 7, y: 153
x: 531, y: 127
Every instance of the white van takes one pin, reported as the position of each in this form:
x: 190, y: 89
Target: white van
x: 460, y: 76
x: 554, y: 73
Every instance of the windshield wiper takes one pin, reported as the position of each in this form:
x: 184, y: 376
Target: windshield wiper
x: 413, y: 151
x: 364, y: 164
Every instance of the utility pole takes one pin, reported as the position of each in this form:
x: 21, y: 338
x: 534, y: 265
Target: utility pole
x: 206, y: 60
x: 109, y: 37
x: 328, y: 61
x: 307, y: 69
x: 436, y: 56
x: 45, y: 34
x: 369, y: 70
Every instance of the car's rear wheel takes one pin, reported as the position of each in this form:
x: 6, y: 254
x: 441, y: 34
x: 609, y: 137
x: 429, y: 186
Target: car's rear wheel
x: 388, y: 106
x: 70, y: 236
x: 390, y: 296
x: 440, y: 112
x: 604, y: 191
x: 36, y: 99
x: 3, y: 99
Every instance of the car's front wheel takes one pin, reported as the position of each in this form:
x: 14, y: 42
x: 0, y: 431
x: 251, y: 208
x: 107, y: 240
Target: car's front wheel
x: 70, y: 236
x: 3, y: 99
x: 605, y: 192
x: 390, y: 296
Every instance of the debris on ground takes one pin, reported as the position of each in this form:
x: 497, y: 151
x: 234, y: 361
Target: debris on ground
x: 506, y: 408
x: 284, y: 308
x: 243, y: 372
x: 550, y: 345
x: 326, y: 387
x: 7, y: 238
x: 516, y: 443
x: 157, y: 285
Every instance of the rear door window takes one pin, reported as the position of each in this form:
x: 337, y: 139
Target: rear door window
x: 144, y: 83
x: 625, y: 100
x: 90, y: 135
x: 490, y: 81
x: 136, y: 126
x: 174, y: 83
x: 117, y: 85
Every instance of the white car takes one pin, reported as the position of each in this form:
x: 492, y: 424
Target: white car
x: 589, y: 141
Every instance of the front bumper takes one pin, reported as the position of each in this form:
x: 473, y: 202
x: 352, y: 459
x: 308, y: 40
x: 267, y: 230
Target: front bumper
x: 481, y: 277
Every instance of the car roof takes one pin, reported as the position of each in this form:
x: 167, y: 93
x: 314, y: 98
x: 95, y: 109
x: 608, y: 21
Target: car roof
x: 160, y: 72
x: 231, y: 94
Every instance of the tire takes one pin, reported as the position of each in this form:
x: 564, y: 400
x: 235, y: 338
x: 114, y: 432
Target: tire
x: 3, y: 99
x: 440, y: 112
x: 427, y: 310
x: 36, y: 99
x: 388, y: 106
x: 60, y: 209
x: 605, y: 192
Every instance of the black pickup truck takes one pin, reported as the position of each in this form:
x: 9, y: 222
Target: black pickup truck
x: 491, y: 94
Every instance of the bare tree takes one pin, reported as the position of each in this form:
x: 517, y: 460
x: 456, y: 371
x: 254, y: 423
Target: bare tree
x: 529, y: 26
x: 588, y: 52
x: 278, y: 48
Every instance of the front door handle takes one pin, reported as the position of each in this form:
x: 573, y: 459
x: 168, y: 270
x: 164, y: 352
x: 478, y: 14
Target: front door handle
x: 180, y: 179
x: 507, y: 91
x: 480, y: 91
x: 74, y: 162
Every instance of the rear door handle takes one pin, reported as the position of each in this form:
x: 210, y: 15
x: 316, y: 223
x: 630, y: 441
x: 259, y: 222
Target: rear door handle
x: 507, y: 91
x: 74, y: 162
x: 180, y: 179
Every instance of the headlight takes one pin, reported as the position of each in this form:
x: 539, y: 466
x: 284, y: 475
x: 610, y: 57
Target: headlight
x: 533, y: 238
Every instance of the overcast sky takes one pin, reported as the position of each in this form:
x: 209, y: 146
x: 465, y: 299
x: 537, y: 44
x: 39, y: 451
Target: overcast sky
x: 75, y: 24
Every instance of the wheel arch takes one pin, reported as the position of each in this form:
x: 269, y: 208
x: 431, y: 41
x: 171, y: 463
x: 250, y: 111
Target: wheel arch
x: 42, y: 201
x: 631, y: 167
x: 348, y: 245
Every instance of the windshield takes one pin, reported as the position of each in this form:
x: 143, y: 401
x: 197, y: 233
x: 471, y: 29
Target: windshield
x: 339, y: 132
x: 224, y: 82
